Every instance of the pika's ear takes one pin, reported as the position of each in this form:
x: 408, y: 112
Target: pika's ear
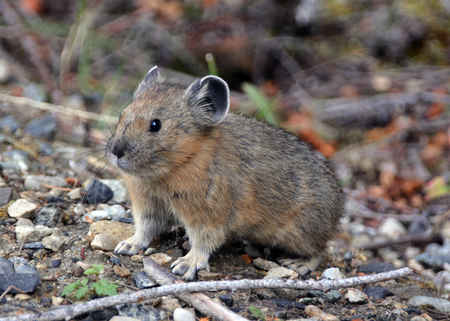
x: 149, y: 80
x: 209, y: 99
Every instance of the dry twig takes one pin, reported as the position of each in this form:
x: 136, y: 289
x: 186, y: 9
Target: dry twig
x: 69, y: 312
x: 201, y: 302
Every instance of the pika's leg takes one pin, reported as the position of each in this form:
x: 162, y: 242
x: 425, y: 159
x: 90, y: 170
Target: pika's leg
x: 147, y: 227
x: 301, y: 265
x: 203, y: 242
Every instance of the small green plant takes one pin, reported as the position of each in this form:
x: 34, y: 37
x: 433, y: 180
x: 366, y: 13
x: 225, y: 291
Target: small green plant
x: 102, y: 287
x: 264, y: 104
x: 257, y: 313
x: 212, y: 67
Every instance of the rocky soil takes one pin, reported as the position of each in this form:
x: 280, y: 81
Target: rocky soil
x: 56, y: 222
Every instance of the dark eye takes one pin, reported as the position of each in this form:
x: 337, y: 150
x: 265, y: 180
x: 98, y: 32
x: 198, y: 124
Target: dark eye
x: 155, y: 125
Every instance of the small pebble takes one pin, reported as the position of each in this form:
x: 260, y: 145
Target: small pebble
x: 57, y: 300
x: 113, y: 213
x: 204, y: 275
x: 137, y: 258
x: 332, y: 273
x: 142, y: 281
x: 439, y: 304
x: 227, y: 299
x: 98, y: 192
x: 160, y: 258
x: 281, y: 273
x: 283, y: 303
x: 43, y: 127
x: 169, y: 303
x: 5, y: 194
x: 54, y: 242
x: 180, y: 314
x: 356, y: 296
x: 392, y: 228
x: 104, y: 242
x: 313, y: 311
x: 23, y: 281
x: 115, y: 261
x: 56, y: 262
x: 377, y: 293
x: 33, y: 246
x: 377, y: 267
x: 264, y: 264
x: 35, y: 182
x: 120, y: 271
x: 22, y: 296
x: 21, y: 209
x: 32, y: 233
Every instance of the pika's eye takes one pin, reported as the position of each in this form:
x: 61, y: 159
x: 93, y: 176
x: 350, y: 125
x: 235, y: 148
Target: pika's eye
x: 155, y: 125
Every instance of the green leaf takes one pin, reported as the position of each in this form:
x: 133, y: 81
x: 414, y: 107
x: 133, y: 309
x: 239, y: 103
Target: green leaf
x: 91, y: 271
x: 69, y: 288
x: 98, y: 267
x: 81, y: 292
x: 104, y: 287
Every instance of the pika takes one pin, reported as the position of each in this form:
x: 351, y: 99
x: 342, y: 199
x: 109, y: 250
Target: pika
x: 185, y: 159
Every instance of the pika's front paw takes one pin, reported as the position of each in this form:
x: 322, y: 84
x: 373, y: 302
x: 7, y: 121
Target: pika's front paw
x: 130, y: 246
x: 187, y: 266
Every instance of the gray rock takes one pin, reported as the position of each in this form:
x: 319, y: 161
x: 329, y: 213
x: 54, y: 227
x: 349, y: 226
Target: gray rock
x: 6, y: 267
x: 98, y: 192
x: 264, y: 264
x: 35, y: 182
x: 439, y: 304
x: 142, y: 281
x: 5, y: 194
x: 120, y: 192
x: 23, y: 281
x: 280, y: 272
x: 283, y: 303
x: 113, y: 213
x: 376, y: 267
x: 433, y: 261
x: 141, y: 312
x: 227, y: 299
x: 180, y: 314
x: 333, y: 296
x: 33, y: 246
x: 287, y: 294
x: 11, y: 166
x: 43, y: 127
x: 9, y: 124
x: 204, y: 275
x: 34, y: 91
x: 377, y: 293
x: 48, y: 216
x: 24, y: 268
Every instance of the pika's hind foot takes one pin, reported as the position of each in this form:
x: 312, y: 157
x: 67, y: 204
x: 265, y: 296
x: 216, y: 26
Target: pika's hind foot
x: 131, y: 246
x: 302, y: 266
x: 188, y: 265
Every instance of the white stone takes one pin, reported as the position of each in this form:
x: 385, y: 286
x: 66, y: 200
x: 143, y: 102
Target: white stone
x: 281, y: 273
x: 57, y: 300
x: 161, y: 258
x: 356, y: 296
x: 113, y: 213
x: 104, y: 242
x: 21, y: 209
x: 391, y: 228
x: 35, y: 182
x: 74, y: 194
x: 332, y: 273
x: 32, y: 233
x: 180, y: 314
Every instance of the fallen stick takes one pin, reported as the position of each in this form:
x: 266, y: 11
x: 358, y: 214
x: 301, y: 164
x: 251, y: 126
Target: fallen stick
x: 69, y: 312
x: 418, y: 240
x: 201, y: 302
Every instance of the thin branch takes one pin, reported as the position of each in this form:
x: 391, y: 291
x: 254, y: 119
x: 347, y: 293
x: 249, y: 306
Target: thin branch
x: 24, y: 101
x: 419, y: 240
x: 201, y: 302
x: 71, y: 311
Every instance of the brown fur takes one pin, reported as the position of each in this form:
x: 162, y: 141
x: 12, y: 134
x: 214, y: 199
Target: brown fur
x: 238, y: 179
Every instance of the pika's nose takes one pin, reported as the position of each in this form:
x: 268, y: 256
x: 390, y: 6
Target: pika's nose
x: 118, y: 150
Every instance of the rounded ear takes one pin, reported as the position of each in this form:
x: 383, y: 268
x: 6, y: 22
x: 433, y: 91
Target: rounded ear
x: 209, y: 98
x: 151, y: 78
